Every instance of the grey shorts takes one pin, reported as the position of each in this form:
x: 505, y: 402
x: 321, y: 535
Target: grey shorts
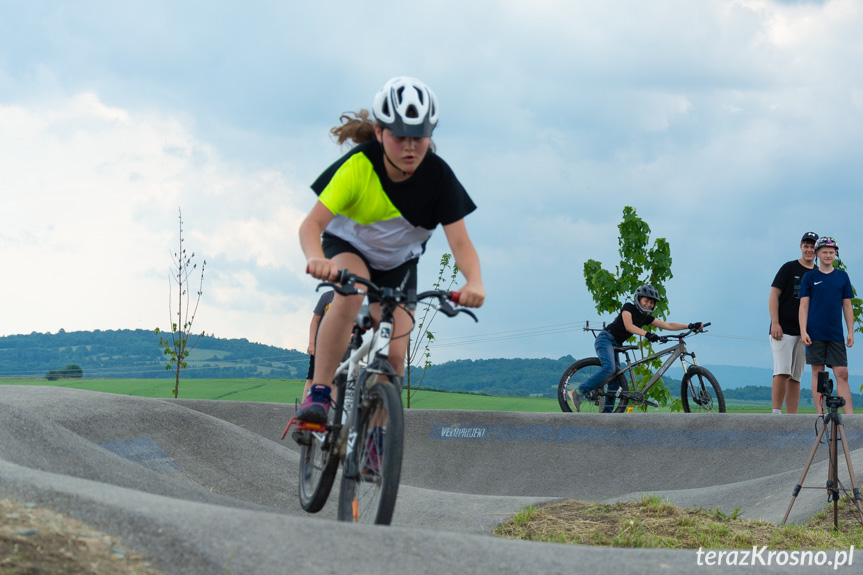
x: 788, y: 356
x: 829, y: 353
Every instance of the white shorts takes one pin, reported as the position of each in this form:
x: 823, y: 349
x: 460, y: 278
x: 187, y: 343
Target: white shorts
x: 789, y: 356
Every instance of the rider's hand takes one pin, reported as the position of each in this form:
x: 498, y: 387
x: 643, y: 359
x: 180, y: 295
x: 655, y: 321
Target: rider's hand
x: 651, y: 337
x: 695, y: 326
x: 471, y: 295
x: 322, y: 269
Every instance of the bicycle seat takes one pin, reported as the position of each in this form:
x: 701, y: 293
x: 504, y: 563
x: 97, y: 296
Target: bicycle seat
x: 625, y: 347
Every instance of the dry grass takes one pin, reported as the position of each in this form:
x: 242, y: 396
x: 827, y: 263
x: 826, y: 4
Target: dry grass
x: 655, y: 523
x: 35, y: 540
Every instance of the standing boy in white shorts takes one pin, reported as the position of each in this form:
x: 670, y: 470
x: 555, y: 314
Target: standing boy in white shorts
x: 784, y: 305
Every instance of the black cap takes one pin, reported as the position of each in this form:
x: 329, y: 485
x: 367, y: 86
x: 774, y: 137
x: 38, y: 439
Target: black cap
x: 809, y: 236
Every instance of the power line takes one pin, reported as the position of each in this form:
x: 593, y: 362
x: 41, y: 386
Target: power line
x: 544, y: 331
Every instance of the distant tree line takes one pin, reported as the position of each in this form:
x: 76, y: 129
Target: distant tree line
x: 117, y: 354
x: 761, y: 394
x: 515, y: 377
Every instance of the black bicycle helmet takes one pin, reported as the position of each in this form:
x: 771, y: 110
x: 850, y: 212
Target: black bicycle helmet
x: 646, y: 290
x: 826, y: 242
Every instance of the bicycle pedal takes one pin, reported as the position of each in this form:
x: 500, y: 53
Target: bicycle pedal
x: 302, y: 426
x: 309, y: 426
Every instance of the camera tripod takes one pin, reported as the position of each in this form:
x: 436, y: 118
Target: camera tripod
x: 837, y: 430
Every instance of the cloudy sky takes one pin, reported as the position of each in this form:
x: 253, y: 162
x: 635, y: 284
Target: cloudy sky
x: 732, y: 126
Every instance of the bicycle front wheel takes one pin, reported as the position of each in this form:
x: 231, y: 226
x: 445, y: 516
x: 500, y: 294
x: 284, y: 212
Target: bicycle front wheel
x: 368, y: 494
x: 700, y: 392
x: 318, y: 459
x: 579, y: 372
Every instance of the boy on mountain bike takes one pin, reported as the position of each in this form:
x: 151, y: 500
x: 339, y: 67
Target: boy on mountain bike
x: 632, y: 317
x: 377, y: 207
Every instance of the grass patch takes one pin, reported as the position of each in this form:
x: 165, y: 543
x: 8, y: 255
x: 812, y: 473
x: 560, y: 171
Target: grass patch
x: 653, y: 522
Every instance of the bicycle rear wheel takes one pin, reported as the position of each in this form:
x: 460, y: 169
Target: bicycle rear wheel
x: 318, y: 460
x: 368, y: 495
x: 700, y: 392
x: 579, y: 372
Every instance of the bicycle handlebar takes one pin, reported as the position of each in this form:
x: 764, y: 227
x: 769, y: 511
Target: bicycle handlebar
x: 345, y: 285
x: 662, y: 338
x: 687, y: 333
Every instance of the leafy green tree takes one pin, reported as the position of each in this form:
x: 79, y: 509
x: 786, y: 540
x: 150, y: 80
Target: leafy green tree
x: 856, y: 302
x: 640, y: 263
x: 418, y: 349
x: 177, y: 344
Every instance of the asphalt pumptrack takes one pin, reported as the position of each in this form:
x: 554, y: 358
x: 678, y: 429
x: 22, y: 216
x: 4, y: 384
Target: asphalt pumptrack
x: 198, y: 487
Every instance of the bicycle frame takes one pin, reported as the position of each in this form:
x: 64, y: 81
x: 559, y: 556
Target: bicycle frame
x: 375, y: 346
x: 676, y: 352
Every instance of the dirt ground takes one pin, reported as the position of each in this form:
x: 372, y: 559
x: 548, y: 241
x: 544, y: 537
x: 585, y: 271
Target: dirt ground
x: 36, y: 540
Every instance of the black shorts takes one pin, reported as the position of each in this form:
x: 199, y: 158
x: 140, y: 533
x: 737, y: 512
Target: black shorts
x: 311, y: 374
x: 829, y: 353
x: 393, y: 278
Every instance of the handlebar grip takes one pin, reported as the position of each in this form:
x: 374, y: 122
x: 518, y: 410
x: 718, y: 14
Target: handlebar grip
x: 454, y: 296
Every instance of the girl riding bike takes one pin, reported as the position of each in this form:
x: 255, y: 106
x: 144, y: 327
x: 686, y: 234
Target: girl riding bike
x: 377, y: 206
x: 630, y: 321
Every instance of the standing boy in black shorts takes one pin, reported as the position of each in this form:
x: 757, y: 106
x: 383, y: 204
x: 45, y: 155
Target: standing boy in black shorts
x: 825, y: 297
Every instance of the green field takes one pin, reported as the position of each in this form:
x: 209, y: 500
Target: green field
x: 289, y: 390
x: 283, y: 391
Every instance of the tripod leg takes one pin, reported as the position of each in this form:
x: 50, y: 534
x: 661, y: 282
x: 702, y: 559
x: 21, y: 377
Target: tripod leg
x: 799, y: 485
x: 856, y: 490
x: 833, y: 474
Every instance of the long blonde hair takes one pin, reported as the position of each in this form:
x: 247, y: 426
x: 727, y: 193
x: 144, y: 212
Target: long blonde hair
x: 357, y: 127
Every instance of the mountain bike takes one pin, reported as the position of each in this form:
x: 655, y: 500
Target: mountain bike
x: 699, y: 390
x: 365, y: 430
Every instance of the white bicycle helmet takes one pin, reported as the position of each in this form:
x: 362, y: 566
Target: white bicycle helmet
x: 406, y: 107
x: 647, y: 291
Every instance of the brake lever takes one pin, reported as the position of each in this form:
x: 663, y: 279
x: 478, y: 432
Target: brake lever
x: 344, y: 284
x: 454, y: 296
x: 468, y: 312
x: 445, y: 308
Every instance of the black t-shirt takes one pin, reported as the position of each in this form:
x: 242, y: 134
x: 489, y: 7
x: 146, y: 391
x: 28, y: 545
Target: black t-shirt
x: 639, y: 318
x: 787, y: 280
x: 389, y: 222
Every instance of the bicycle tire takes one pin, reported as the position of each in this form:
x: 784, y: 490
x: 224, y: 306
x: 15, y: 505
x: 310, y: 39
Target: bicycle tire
x: 318, y: 460
x: 701, y: 399
x: 370, y: 498
x: 578, y: 373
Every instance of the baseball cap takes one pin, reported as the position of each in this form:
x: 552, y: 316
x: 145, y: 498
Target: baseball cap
x: 810, y: 237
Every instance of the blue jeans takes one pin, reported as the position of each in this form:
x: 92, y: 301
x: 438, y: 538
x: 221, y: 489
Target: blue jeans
x: 604, y: 346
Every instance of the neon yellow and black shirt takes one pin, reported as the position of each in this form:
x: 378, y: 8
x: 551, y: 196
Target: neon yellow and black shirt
x: 389, y: 222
